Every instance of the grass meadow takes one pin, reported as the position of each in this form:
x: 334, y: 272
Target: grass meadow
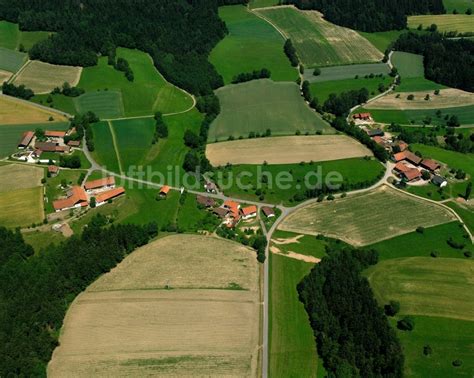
x: 354, y: 171
x: 10, y: 135
x: 358, y: 219
x: 408, y: 64
x: 415, y: 84
x: 262, y: 3
x: 104, y: 152
x: 148, y: 93
x: 382, y: 40
x: 461, y: 23
x: 322, y: 90
x: 416, y: 244
x: 346, y: 72
x: 252, y: 44
x: 11, y: 60
x: 21, y: 207
x: 39, y: 240
x: 11, y: 37
x: 466, y: 214
x: 106, y: 104
x: 61, y: 102
x: 318, y: 42
x: 260, y: 105
x: 460, y: 5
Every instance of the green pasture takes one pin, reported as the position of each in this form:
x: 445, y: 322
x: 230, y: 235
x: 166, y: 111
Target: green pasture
x: 61, y: 102
x: 416, y: 244
x: 11, y: 60
x: 148, y: 93
x: 453, y: 159
x: 10, y: 135
x: 450, y: 339
x: 104, y: 153
x: 39, y: 240
x: 292, y: 348
x: 426, y: 286
x: 11, y: 37
x: 465, y: 115
x: 346, y: 72
x: 305, y: 244
x: 382, y: 40
x: 408, y: 64
x: 460, y: 5
x: 105, y: 104
x: 354, y: 171
x: 415, y: 84
x: 466, y: 214
x: 322, y: 90
x: 252, y: 44
x: 260, y: 105
x: 262, y: 3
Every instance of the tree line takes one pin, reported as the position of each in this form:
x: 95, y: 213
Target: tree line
x: 36, y: 290
x: 371, y: 15
x: 178, y: 35
x: 17, y: 91
x: 264, y: 73
x: 446, y: 61
x: 352, y: 333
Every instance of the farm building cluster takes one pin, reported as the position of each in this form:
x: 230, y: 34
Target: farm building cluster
x: 102, y: 190
x: 33, y: 144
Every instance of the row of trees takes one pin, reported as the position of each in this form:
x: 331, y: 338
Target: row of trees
x: 36, y: 290
x: 161, y: 129
x: 17, y: 91
x: 353, y: 336
x: 371, y: 15
x: 68, y: 91
x: 290, y: 52
x: 178, y: 35
x: 122, y: 65
x: 446, y: 61
x: 254, y: 75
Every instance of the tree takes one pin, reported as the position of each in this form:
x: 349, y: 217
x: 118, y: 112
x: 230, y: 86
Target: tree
x: 427, y: 350
x: 392, y: 308
x: 317, y: 71
x: 407, y: 323
x: 467, y: 194
x: 39, y: 133
x: 92, y: 202
x: 469, y: 11
x: 432, y: 28
x: 191, y: 162
x: 411, y: 97
x: 191, y: 139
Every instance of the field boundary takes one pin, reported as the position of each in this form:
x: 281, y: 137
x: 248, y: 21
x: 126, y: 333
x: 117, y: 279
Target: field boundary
x: 114, y: 141
x: 15, y: 75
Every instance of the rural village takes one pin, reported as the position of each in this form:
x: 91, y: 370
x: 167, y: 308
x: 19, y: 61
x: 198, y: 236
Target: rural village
x: 248, y: 188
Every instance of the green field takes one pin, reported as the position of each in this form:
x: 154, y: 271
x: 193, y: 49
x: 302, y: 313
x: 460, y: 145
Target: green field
x: 260, y: 105
x: 408, y: 65
x: 64, y: 103
x: 382, y: 40
x: 21, y: 207
x: 318, y: 42
x: 460, y: 5
x: 346, y: 72
x: 10, y: 135
x: 148, y: 93
x: 292, y: 350
x: 465, y: 115
x: 11, y: 37
x: 252, y: 44
x: 462, y: 23
x: 104, y: 153
x: 39, y: 240
x: 426, y: 286
x: 322, y: 90
x: 262, y: 3
x: 357, y: 171
x: 415, y: 84
x: 359, y: 219
x: 106, y: 104
x: 417, y: 244
x: 11, y: 60
x: 466, y: 214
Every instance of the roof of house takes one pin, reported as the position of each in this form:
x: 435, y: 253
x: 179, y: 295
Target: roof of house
x: 407, y: 155
x: 210, y: 185
x: 62, y: 149
x: 231, y: 204
x: 375, y: 132
x: 26, y: 138
x: 76, y: 195
x: 46, y: 146
x: 54, y: 134
x: 362, y: 115
x: 165, y: 189
x: 268, y: 211
x: 401, y: 167
x: 402, y: 145
x: 108, y: 181
x: 220, y: 211
x: 74, y: 143
x: 53, y: 168
x: 432, y: 165
x: 109, y: 194
x: 436, y: 179
x: 249, y: 210
x: 205, y: 201
x: 412, y: 174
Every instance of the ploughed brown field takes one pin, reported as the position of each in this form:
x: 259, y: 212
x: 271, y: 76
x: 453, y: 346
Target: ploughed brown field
x: 182, y: 305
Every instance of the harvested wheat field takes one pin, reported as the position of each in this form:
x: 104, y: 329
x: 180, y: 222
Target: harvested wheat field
x: 367, y: 218
x: 184, y: 305
x: 447, y: 98
x: 4, y: 76
x: 285, y: 150
x: 16, y: 176
x: 13, y: 111
x: 44, y: 77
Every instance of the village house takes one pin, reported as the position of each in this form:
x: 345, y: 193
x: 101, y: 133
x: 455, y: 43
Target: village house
x: 55, y: 135
x: 205, y: 201
x: 249, y: 212
x: 53, y: 170
x: 76, y: 198
x: 26, y: 139
x: 164, y: 190
x: 268, y: 212
x: 108, y: 195
x: 52, y: 147
x: 430, y: 165
x: 74, y: 143
x: 100, y: 184
x: 210, y: 187
x: 382, y: 142
x: 375, y: 132
x: 362, y: 116
x: 439, y: 181
x: 399, y: 146
x: 412, y: 174
x: 220, y: 212
x: 408, y: 156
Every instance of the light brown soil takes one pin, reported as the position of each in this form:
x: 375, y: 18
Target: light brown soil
x: 4, y: 76
x: 447, y: 98
x: 19, y: 176
x: 285, y: 150
x: 16, y: 112
x: 288, y: 240
x: 294, y: 255
x: 126, y: 323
